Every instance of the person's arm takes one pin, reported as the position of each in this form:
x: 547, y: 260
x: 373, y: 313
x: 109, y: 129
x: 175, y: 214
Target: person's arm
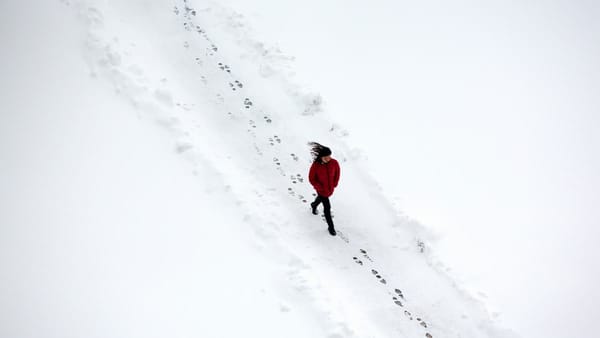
x: 312, y: 177
x: 336, y: 175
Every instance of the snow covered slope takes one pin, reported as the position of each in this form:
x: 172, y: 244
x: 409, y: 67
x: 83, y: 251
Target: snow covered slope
x: 155, y: 166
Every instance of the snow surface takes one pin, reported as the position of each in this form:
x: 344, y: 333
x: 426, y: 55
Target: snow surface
x: 143, y: 196
x: 482, y: 121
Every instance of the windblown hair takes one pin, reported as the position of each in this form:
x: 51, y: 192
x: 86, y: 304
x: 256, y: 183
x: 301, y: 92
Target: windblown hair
x: 318, y: 150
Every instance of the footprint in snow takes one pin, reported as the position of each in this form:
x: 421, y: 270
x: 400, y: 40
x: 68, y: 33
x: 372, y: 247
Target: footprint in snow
x: 342, y: 236
x: 257, y: 149
x: 324, y: 219
x: 382, y: 280
x: 200, y: 30
x: 247, y: 103
x: 421, y: 246
x: 235, y: 85
x: 364, y: 252
x: 182, y: 147
x: 224, y: 67
x: 358, y: 261
x: 296, y: 178
x: 251, y: 131
x: 300, y: 196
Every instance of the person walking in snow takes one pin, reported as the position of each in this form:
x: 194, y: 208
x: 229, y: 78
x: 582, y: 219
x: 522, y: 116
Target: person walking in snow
x: 324, y: 176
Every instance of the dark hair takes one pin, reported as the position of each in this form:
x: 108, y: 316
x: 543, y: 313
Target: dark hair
x: 318, y: 150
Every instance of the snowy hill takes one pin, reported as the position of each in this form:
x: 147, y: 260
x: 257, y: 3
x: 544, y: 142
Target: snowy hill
x: 156, y: 186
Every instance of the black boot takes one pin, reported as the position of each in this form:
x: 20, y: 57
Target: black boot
x: 313, y: 207
x: 331, y: 231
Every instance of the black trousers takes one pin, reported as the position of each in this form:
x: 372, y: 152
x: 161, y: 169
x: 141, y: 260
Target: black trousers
x: 326, y: 206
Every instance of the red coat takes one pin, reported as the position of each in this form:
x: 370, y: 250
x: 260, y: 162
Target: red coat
x: 324, y: 177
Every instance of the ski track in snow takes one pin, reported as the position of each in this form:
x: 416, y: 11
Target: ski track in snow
x: 266, y: 137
